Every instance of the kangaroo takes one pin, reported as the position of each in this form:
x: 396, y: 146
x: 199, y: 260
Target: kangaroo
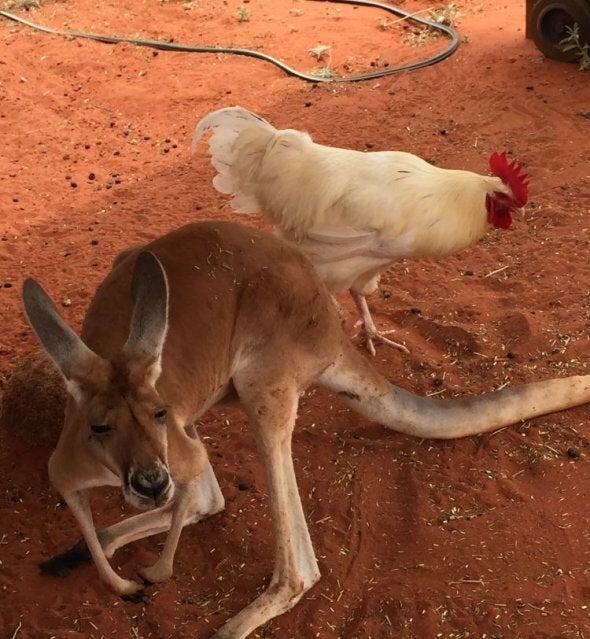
x: 211, y: 312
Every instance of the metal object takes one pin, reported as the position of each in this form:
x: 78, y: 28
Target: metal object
x: 547, y: 23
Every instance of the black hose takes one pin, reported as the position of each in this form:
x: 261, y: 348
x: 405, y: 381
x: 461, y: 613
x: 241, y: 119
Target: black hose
x: 170, y: 46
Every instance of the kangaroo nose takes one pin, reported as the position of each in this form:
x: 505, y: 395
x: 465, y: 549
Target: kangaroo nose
x: 151, y: 483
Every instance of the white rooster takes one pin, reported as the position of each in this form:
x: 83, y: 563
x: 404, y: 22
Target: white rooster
x: 355, y: 213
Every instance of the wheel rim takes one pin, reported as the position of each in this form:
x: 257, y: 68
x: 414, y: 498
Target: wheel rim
x: 552, y: 25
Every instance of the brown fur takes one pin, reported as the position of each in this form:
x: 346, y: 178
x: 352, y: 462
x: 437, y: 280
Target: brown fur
x: 246, y: 317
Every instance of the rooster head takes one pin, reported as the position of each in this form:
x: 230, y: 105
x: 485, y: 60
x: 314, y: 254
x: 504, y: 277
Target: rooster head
x: 500, y: 205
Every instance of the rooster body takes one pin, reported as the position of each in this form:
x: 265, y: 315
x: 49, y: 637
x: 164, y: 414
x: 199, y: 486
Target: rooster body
x: 353, y: 213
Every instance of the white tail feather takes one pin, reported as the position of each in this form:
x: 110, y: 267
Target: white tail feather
x: 227, y: 126
x: 243, y: 203
x: 232, y: 120
x: 223, y: 183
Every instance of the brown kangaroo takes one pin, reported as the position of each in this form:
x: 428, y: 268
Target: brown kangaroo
x: 209, y: 312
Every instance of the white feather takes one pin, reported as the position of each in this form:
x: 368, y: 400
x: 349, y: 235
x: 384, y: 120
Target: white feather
x: 227, y: 126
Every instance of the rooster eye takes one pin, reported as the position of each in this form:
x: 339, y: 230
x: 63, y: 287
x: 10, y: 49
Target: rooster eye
x: 100, y: 429
x: 160, y: 415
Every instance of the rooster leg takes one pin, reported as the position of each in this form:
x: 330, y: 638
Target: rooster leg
x: 369, y: 327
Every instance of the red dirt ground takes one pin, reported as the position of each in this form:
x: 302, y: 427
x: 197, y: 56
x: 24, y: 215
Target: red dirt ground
x: 482, y: 538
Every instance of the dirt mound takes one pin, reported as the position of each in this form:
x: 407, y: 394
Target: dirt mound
x: 32, y: 407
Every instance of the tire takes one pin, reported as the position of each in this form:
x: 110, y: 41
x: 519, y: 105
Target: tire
x: 549, y: 19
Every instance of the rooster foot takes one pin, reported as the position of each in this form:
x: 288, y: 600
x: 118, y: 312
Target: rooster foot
x: 370, y: 330
x: 375, y: 335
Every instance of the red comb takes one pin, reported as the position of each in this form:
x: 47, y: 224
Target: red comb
x: 511, y: 173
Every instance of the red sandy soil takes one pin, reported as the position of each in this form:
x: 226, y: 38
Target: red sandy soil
x: 482, y: 538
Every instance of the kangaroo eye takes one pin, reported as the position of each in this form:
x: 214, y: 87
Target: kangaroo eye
x: 160, y: 415
x: 100, y: 429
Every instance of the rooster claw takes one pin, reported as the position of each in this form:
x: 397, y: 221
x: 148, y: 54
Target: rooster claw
x: 380, y: 337
x: 370, y: 329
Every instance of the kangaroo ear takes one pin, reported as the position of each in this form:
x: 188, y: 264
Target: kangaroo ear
x: 56, y: 337
x: 149, y: 322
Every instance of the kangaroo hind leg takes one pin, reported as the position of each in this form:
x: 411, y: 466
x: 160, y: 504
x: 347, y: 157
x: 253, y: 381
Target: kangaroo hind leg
x: 271, y: 406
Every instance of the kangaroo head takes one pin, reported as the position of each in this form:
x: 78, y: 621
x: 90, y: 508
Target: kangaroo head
x: 115, y: 408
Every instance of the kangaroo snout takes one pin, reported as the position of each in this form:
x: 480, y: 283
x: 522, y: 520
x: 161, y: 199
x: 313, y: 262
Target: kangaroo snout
x: 150, y: 486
